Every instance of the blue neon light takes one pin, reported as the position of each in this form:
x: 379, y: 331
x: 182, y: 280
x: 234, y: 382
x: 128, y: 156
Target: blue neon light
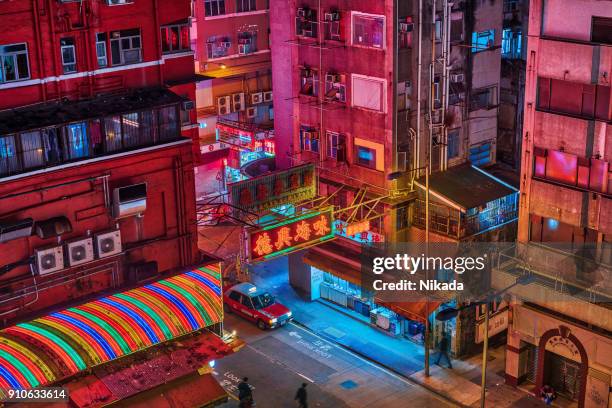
x: 150, y: 334
x: 176, y: 302
x: 99, y: 339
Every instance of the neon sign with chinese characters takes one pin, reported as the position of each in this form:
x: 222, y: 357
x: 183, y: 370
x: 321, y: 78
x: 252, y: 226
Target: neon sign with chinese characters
x: 290, y: 235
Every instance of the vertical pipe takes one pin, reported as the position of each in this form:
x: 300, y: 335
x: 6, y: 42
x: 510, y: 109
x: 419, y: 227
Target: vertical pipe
x: 417, y: 158
x: 39, y: 44
x: 485, y: 350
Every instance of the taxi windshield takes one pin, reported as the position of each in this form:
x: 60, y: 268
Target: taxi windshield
x: 263, y: 300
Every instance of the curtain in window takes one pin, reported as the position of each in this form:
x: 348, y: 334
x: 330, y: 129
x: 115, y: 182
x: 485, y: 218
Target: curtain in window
x: 8, y: 155
x: 112, y: 129
x: 168, y: 123
x: 77, y: 144
x: 148, y: 127
x: 131, y: 130
x: 52, y: 146
x: 32, y: 152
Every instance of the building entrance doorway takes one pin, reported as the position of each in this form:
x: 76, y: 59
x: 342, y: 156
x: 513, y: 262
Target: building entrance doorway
x: 563, y: 375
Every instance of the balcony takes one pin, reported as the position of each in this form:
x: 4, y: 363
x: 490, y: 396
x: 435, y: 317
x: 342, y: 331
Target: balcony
x: 54, y: 134
x: 572, y: 282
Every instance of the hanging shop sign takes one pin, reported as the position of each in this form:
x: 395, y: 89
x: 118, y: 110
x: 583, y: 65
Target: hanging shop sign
x: 358, y: 231
x: 63, y: 343
x: 272, y: 190
x: 213, y: 147
x: 291, y: 235
x: 497, y: 324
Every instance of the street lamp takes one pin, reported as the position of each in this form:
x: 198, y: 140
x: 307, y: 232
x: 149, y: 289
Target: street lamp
x: 451, y: 313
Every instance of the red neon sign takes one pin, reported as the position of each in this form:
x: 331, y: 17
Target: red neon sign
x: 287, y: 236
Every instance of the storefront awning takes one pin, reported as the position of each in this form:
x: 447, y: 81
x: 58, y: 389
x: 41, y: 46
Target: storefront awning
x: 417, y: 311
x: 343, y: 264
x: 61, y: 344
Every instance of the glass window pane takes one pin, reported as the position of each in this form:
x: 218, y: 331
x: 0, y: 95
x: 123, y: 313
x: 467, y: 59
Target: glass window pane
x: 115, y: 52
x: 8, y: 156
x: 22, y: 66
x: 168, y: 124
x: 185, y: 45
x: 112, y: 130
x: 9, y: 68
x: 77, y: 144
x: 32, y: 152
x: 131, y: 130
x: 174, y: 38
x: 136, y: 42
x: 52, y: 147
x: 165, y: 34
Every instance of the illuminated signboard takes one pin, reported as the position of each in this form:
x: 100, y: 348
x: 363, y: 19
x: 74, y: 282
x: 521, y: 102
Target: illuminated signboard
x: 272, y: 190
x: 358, y: 231
x: 290, y: 235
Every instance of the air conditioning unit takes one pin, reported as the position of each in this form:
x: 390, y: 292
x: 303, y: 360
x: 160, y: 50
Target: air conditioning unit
x: 80, y: 251
x: 251, y: 112
x: 108, y: 243
x: 310, y: 135
x: 238, y: 102
x: 332, y: 16
x: 244, y: 49
x: 16, y: 229
x: 129, y: 200
x: 130, y: 56
x: 187, y: 105
x: 256, y: 98
x: 267, y: 96
x: 226, y: 44
x: 300, y: 12
x: 457, y: 77
x: 223, y: 105
x: 49, y: 260
x: 406, y: 27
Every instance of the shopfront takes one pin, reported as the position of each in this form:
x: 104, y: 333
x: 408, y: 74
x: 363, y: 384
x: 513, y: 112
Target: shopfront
x: 543, y: 350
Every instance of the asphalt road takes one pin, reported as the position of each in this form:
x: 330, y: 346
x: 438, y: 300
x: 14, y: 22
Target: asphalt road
x: 278, y: 361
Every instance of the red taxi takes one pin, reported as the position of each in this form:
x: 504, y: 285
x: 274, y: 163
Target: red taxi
x: 256, y: 305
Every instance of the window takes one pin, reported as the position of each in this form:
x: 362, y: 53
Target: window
x: 101, y: 50
x: 405, y: 29
x: 175, y: 38
x: 335, y: 88
x: 511, y: 44
x: 112, y: 130
x: 453, y: 143
x: 214, y: 7
x: 484, y: 98
x: 483, y: 40
x: 368, y: 30
x: 235, y: 296
x: 309, y: 82
x: 247, y: 42
x: 601, y: 30
x: 125, y: 47
x: 438, y: 30
x: 336, y: 146
x: 584, y: 100
x: 368, y: 93
x: 9, y: 162
x: 332, y: 25
x: 245, y: 5
x: 116, y: 2
x: 168, y: 123
x: 52, y: 146
x: 456, y: 28
x: 31, y: 148
x: 364, y: 156
x: 76, y: 143
x: 68, y: 53
x: 14, y: 65
x: 436, y: 92
x: 246, y: 301
x: 309, y: 139
x: 306, y: 24
x: 511, y: 6
x: 218, y: 46
x: 480, y: 154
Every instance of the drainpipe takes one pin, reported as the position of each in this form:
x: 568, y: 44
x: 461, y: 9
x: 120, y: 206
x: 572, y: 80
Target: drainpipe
x: 58, y: 84
x: 417, y: 155
x: 158, y: 42
x: 39, y: 42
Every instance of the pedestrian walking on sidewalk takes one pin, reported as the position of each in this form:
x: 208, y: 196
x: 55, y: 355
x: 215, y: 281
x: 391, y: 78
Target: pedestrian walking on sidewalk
x: 245, y: 394
x: 301, y: 396
x: 443, y: 351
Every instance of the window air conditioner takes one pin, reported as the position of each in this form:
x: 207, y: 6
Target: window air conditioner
x: 16, y: 229
x: 49, y: 260
x: 457, y: 77
x: 187, y: 105
x: 131, y: 56
x: 80, y: 251
x: 223, y: 105
x: 267, y: 96
x: 300, y: 12
x: 251, y: 112
x: 256, y: 98
x: 108, y: 243
x: 129, y: 200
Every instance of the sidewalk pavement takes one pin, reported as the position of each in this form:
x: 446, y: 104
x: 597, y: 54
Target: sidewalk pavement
x: 460, y: 385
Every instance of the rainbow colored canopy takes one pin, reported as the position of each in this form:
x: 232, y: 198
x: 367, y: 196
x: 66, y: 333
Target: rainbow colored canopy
x: 61, y: 344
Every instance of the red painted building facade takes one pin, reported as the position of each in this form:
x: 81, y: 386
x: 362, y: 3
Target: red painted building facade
x: 96, y: 151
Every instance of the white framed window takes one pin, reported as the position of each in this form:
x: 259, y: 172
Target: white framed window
x: 309, y: 82
x: 243, y: 6
x: 126, y: 47
x: 101, y: 50
x: 369, y: 93
x: 68, y: 54
x: 368, y: 30
x: 214, y: 7
x: 309, y: 139
x: 336, y: 146
x: 14, y: 63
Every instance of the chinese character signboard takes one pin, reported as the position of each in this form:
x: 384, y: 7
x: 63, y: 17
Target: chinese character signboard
x: 358, y: 231
x: 497, y: 324
x: 291, y: 235
x: 275, y: 189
